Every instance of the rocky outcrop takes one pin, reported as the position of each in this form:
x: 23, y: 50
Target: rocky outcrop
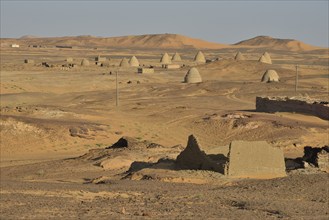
x: 315, y: 159
x: 317, y: 156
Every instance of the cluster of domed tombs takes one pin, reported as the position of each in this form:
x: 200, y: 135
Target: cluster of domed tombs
x: 199, y: 58
x: 133, y: 62
x: 265, y: 58
x: 166, y: 60
x: 192, y: 76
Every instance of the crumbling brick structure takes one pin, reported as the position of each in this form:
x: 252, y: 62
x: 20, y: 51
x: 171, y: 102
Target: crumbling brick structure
x: 293, y: 104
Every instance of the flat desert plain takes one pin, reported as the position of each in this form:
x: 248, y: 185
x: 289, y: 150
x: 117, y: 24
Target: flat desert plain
x: 58, y: 122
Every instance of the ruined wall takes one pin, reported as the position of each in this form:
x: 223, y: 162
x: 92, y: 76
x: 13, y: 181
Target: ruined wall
x: 253, y: 159
x: 192, y: 157
x: 256, y: 159
x: 299, y: 105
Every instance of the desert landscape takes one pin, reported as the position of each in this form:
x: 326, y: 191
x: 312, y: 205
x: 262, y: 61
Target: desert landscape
x: 87, y: 134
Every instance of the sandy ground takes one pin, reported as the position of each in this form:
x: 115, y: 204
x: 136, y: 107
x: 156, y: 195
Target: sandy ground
x: 49, y: 115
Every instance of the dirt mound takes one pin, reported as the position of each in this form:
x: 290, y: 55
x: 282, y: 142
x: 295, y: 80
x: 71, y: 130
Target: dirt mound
x: 251, y: 128
x: 16, y: 127
x: 127, y: 152
x: 129, y: 142
x: 116, y: 163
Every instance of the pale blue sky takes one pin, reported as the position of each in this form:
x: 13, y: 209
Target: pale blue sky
x: 216, y: 21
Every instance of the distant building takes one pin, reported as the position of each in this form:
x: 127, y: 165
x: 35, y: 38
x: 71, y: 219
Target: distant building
x: 270, y: 76
x: 171, y: 66
x: 134, y: 61
x: 176, y: 57
x: 239, y: 56
x: 145, y: 70
x: 84, y: 62
x: 14, y: 45
x: 199, y: 58
x: 265, y: 58
x: 193, y: 76
x: 165, y: 59
x: 124, y: 63
x: 100, y: 59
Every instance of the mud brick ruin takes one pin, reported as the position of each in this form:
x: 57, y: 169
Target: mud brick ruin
x: 293, y: 104
x: 245, y: 159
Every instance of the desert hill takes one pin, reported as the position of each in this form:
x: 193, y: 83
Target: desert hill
x: 277, y: 43
x: 167, y: 41
x: 158, y: 41
x: 28, y: 36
